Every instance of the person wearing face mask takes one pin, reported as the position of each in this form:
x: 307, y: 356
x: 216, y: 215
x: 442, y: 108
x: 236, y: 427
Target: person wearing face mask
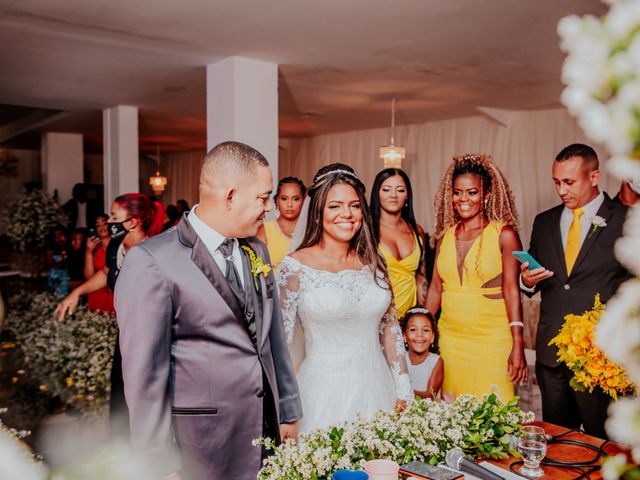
x: 629, y: 193
x: 475, y: 280
x: 276, y: 234
x: 134, y: 218
x: 574, y: 244
x: 400, y: 239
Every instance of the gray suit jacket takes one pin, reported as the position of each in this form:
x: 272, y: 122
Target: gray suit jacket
x: 192, y: 376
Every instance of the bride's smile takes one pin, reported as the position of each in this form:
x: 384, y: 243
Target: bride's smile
x: 342, y: 213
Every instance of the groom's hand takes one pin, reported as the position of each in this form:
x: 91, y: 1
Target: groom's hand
x: 530, y: 278
x: 289, y: 430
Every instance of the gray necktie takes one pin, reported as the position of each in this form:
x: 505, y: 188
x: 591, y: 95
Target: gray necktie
x: 233, y: 277
x: 231, y: 273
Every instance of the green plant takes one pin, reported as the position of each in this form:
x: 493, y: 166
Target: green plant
x: 71, y: 359
x: 30, y: 218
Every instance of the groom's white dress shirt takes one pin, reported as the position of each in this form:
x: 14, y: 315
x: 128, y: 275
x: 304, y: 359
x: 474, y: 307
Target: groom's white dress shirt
x: 213, y: 240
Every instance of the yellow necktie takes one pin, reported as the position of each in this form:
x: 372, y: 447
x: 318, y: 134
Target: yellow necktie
x: 573, y: 240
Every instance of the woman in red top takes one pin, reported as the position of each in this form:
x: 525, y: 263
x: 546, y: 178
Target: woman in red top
x: 95, y: 255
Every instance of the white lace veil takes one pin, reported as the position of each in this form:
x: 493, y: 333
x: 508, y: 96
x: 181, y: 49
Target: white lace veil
x: 301, y: 227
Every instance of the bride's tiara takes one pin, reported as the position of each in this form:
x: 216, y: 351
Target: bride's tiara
x: 333, y: 172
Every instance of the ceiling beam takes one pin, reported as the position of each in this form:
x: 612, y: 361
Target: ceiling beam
x: 29, y: 122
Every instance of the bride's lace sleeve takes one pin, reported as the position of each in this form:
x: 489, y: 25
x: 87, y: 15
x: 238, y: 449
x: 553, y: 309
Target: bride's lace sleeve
x: 393, y: 348
x: 288, y: 279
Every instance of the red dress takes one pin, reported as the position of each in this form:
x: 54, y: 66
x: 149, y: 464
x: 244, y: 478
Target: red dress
x: 102, y: 299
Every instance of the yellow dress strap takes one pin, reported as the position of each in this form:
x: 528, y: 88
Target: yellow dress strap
x: 277, y: 242
x: 402, y: 275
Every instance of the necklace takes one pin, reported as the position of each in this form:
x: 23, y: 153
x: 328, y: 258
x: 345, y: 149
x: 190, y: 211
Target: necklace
x: 282, y: 230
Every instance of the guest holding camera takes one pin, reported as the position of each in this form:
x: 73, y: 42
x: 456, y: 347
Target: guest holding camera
x: 95, y: 260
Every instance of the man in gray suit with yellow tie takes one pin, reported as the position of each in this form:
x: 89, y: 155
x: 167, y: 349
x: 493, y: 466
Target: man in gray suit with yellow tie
x: 574, y: 243
x: 205, y: 363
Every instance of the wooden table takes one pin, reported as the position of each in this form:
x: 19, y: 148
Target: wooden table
x: 565, y: 452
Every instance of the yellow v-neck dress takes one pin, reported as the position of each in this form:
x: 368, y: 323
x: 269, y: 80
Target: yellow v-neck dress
x: 475, y: 339
x: 402, y: 275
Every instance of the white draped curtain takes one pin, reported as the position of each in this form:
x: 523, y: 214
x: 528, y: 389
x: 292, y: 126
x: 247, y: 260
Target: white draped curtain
x: 523, y: 144
x: 183, y: 175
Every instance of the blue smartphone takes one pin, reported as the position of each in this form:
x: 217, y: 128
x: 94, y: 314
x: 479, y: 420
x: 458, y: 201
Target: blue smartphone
x: 525, y: 257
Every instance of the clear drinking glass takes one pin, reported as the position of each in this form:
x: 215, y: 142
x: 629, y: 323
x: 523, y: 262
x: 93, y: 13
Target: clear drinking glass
x: 532, y: 445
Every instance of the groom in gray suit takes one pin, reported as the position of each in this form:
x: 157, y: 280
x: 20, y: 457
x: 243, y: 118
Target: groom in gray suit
x: 205, y: 363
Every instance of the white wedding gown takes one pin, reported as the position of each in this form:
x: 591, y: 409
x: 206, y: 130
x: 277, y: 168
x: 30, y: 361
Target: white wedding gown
x: 354, y: 354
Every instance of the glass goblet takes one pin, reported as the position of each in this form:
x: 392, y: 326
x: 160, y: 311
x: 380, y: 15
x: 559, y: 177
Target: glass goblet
x: 532, y: 445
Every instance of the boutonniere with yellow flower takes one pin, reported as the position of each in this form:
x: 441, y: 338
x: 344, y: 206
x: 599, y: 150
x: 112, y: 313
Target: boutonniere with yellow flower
x: 257, y: 264
x: 590, y: 367
x: 596, y: 223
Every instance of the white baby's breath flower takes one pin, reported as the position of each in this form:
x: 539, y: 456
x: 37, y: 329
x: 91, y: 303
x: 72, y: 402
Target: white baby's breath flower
x: 623, y: 424
x: 613, y: 466
x: 618, y: 331
x: 623, y: 166
x: 626, y: 247
x: 620, y: 21
x: 16, y: 461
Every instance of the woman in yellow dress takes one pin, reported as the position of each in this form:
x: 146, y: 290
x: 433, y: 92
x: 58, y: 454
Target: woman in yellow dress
x: 475, y: 281
x: 277, y: 233
x: 400, y: 239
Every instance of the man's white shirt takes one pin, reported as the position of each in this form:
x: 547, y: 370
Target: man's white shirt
x: 213, y: 240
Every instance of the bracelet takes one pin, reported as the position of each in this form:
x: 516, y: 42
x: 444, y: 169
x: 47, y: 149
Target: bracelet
x: 516, y: 324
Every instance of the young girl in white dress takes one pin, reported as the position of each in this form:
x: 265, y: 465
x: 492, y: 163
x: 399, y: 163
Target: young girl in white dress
x: 426, y: 368
x: 335, y: 287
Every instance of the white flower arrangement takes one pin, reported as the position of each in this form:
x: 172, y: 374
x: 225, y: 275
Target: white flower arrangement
x: 602, y: 74
x: 112, y: 461
x: 17, y: 462
x: 30, y: 218
x: 71, y: 359
x: 425, y: 431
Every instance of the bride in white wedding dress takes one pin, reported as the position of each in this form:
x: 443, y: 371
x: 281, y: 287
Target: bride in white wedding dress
x: 334, y: 286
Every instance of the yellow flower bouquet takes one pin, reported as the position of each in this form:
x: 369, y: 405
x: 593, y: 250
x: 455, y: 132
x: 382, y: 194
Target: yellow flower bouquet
x: 590, y: 367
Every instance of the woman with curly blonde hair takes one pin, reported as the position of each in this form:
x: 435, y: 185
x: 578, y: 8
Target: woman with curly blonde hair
x: 475, y: 281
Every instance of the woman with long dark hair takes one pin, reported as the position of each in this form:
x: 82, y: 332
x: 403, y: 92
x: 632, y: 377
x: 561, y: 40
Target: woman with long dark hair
x: 335, y: 286
x: 476, y: 279
x: 133, y: 219
x: 399, y: 237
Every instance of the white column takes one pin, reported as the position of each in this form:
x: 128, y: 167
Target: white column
x: 62, y: 163
x: 120, y: 139
x: 242, y: 105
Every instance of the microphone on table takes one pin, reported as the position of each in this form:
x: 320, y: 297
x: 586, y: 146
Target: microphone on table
x: 457, y: 459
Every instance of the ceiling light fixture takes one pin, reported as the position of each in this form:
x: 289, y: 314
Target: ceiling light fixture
x: 392, y: 154
x: 157, y: 181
